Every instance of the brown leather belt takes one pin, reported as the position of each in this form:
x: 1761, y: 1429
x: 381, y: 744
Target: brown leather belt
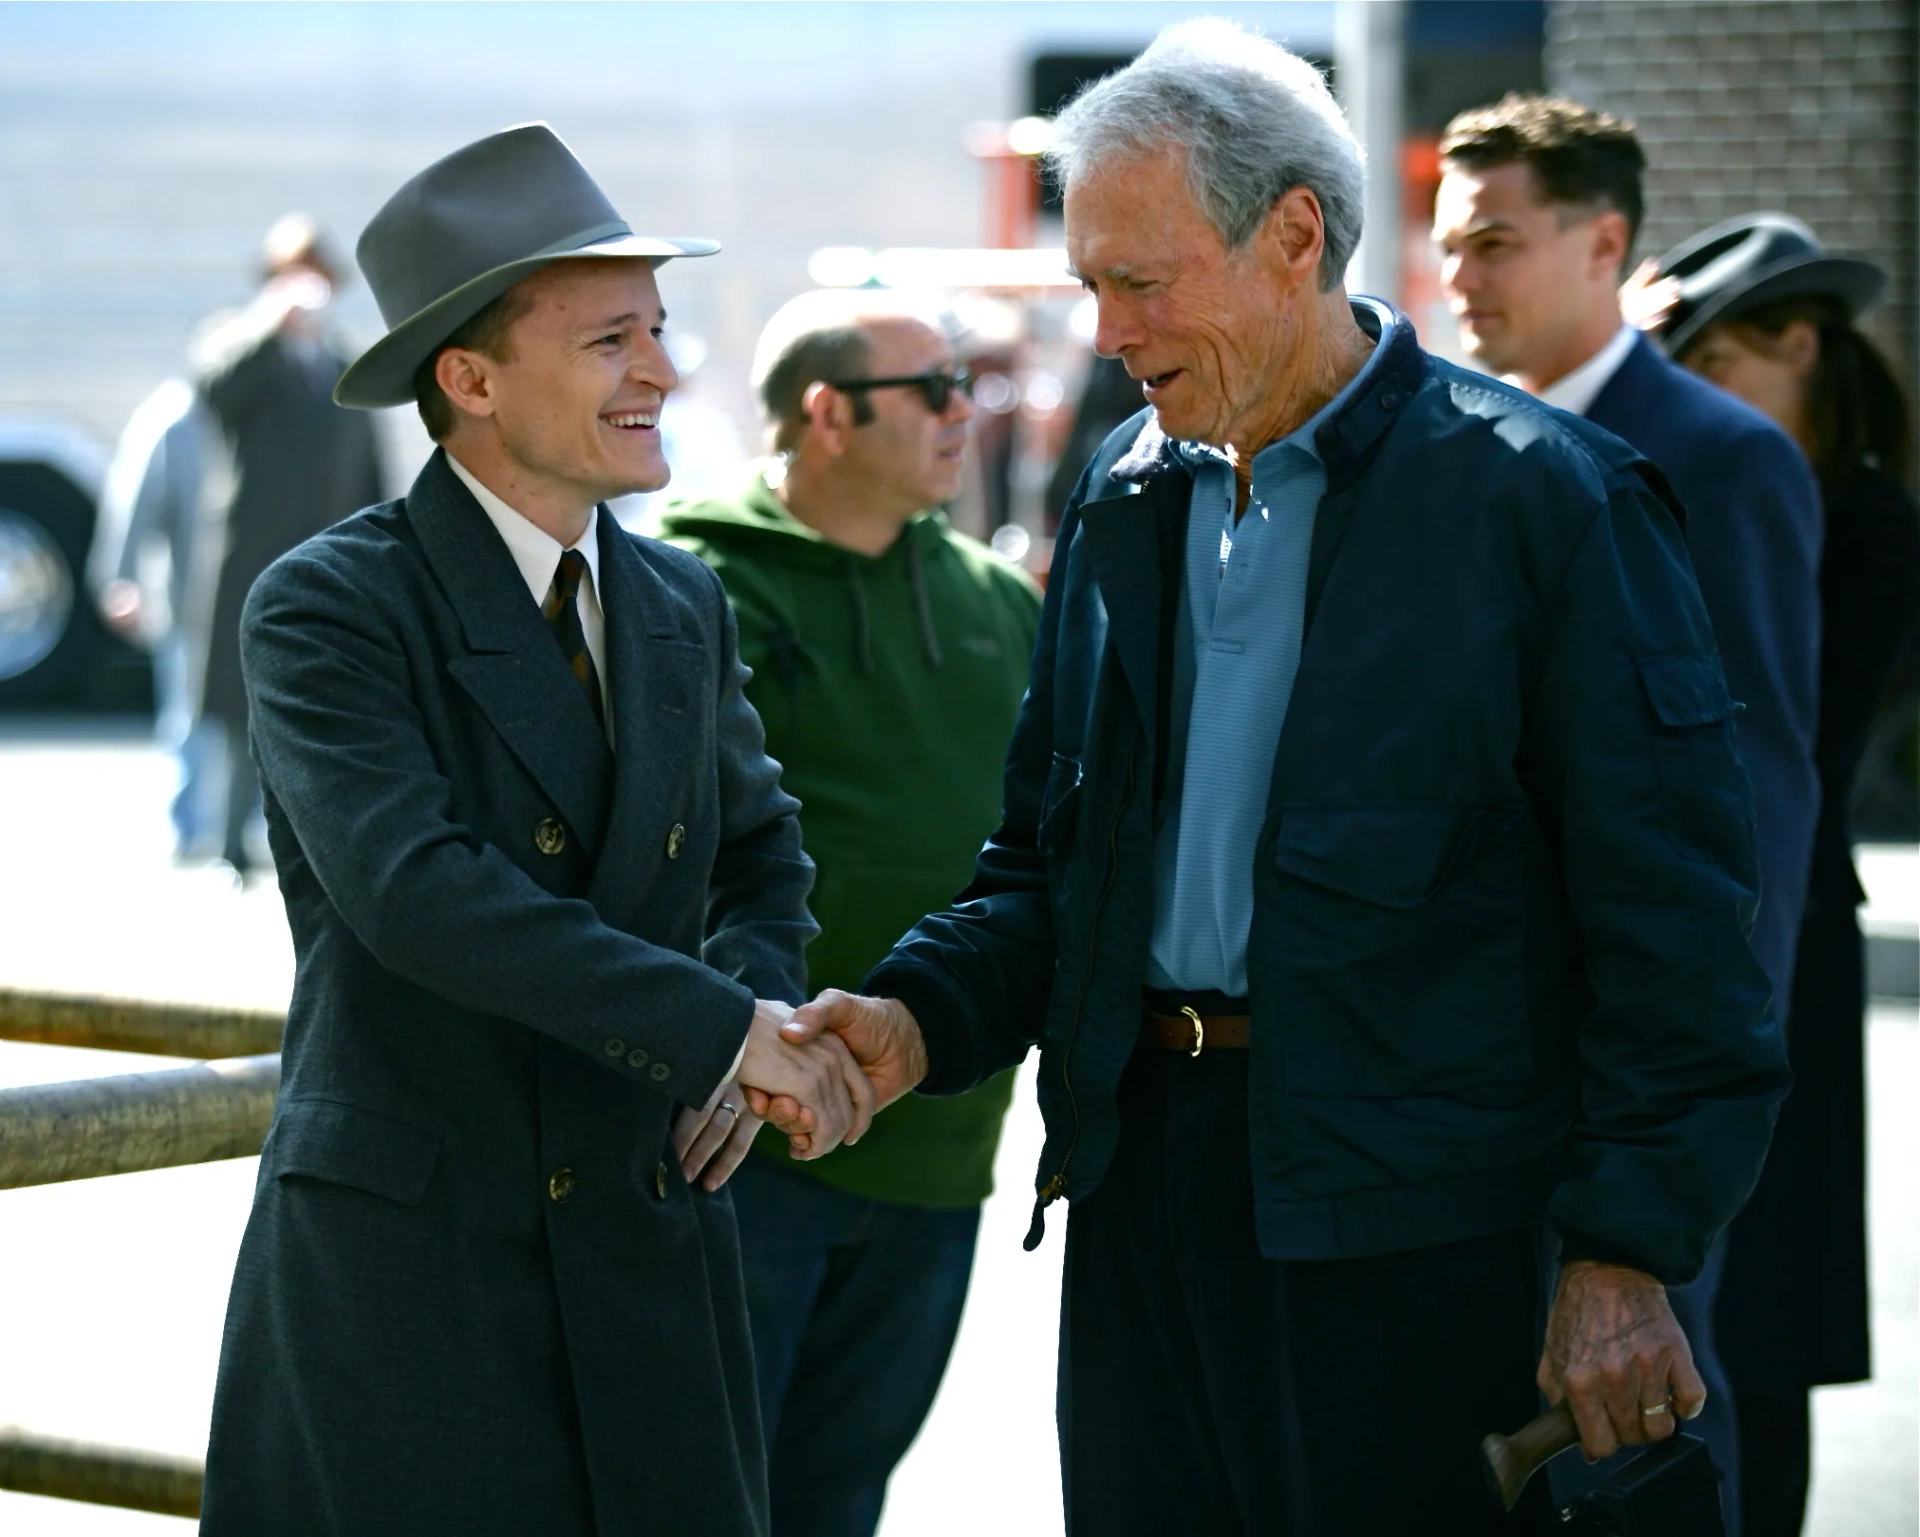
x: 1194, y: 1033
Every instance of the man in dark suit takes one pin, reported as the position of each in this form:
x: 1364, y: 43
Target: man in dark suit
x: 544, y: 889
x: 299, y: 463
x: 1537, y: 212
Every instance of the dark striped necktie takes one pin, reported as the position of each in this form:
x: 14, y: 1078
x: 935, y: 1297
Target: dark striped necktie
x: 562, y: 611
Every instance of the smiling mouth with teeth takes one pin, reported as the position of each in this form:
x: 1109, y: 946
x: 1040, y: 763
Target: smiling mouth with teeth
x: 630, y: 420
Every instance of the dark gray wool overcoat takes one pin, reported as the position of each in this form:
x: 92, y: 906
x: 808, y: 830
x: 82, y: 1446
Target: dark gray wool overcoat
x: 476, y: 1296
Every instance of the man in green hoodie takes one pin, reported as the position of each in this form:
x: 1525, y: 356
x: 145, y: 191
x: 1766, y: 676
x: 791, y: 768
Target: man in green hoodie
x: 890, y: 656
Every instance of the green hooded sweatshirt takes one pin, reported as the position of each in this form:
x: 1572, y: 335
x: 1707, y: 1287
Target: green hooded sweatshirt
x: 889, y: 686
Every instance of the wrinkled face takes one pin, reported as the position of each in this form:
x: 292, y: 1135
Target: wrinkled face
x: 909, y: 455
x: 1519, y: 273
x: 577, y: 402
x: 1772, y: 381
x: 1206, y: 330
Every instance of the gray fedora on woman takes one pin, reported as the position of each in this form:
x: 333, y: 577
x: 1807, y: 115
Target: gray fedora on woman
x: 1749, y: 260
x: 477, y: 1294
x: 464, y: 231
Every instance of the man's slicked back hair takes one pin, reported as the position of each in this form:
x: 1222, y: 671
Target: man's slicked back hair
x: 1580, y: 158
x: 1254, y: 121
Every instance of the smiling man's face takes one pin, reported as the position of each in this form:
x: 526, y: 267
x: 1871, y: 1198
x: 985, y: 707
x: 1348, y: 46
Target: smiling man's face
x: 1204, y: 328
x: 576, y: 400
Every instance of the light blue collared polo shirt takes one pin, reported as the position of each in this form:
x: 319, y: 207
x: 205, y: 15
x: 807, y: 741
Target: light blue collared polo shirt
x: 1236, y: 651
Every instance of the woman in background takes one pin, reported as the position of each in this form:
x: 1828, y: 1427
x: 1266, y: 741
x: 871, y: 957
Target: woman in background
x: 1760, y: 308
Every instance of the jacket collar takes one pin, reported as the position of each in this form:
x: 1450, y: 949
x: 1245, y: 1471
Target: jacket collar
x: 1349, y: 435
x: 1632, y: 389
x: 514, y: 671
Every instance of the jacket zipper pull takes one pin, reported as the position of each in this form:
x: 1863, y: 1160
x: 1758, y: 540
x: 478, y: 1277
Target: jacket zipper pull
x: 1050, y: 1192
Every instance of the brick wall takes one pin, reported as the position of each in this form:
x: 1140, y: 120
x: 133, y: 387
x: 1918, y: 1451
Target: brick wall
x: 1811, y: 106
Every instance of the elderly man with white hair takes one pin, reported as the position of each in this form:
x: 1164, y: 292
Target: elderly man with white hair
x: 1375, y: 873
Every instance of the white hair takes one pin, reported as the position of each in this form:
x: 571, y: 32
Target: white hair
x: 1254, y: 120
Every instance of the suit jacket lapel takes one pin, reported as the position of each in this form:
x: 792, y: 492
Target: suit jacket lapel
x: 513, y: 671
x: 654, y: 675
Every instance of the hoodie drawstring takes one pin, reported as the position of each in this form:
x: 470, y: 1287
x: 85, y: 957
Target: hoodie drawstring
x: 862, y: 630
x: 917, y: 575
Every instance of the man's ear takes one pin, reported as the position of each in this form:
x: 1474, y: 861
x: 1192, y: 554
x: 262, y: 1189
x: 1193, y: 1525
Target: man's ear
x: 829, y: 416
x: 466, y: 380
x: 1612, y: 243
x: 1293, y: 236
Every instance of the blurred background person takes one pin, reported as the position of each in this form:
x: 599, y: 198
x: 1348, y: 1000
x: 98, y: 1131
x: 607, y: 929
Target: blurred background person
x: 1539, y: 203
x: 300, y: 463
x: 152, y: 511
x: 1758, y: 306
x: 889, y: 658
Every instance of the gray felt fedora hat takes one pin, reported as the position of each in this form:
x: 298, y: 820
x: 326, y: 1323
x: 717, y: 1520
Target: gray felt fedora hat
x: 1752, y: 260
x: 463, y: 232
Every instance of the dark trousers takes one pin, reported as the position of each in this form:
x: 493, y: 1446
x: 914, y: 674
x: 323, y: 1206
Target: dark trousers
x: 1206, y: 1391
x: 242, y: 801
x: 854, y: 1305
x: 1776, y: 1459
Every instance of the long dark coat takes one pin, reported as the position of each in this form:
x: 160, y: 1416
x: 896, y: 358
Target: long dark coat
x: 476, y: 1296
x: 299, y: 463
x: 1753, y: 533
x: 1794, y: 1307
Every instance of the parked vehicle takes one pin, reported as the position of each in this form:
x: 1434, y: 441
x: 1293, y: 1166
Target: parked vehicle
x: 55, y: 654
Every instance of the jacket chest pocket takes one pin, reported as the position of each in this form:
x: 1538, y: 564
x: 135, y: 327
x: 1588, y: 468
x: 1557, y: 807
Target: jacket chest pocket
x: 1394, y: 947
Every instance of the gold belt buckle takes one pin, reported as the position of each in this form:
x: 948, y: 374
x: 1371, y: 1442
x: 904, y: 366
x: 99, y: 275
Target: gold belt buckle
x: 1199, y: 1030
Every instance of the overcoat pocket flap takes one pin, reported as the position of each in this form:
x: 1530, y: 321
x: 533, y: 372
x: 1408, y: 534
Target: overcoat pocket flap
x: 1688, y: 690
x: 1392, y: 856
x: 344, y: 1144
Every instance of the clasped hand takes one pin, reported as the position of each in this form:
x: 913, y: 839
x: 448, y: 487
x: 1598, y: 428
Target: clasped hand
x: 809, y: 1088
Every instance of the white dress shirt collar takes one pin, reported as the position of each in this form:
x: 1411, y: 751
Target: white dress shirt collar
x: 535, y: 551
x: 1577, y: 391
x: 537, y: 555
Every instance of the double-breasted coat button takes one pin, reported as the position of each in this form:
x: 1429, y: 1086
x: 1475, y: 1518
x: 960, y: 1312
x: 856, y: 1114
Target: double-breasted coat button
x: 636, y: 1058
x: 658, y: 1072
x: 549, y: 837
x: 560, y: 1185
x: 676, y: 840
x: 615, y: 1046
x: 660, y: 1182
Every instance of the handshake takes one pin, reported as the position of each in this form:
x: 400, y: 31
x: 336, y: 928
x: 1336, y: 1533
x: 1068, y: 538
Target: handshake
x: 817, y: 1073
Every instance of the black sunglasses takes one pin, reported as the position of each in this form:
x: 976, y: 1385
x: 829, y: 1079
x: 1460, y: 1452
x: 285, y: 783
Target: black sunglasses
x: 935, y: 389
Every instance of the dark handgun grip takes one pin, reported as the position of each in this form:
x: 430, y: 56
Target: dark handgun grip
x: 1512, y: 1460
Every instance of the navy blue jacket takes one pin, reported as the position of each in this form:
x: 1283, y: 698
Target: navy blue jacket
x: 475, y: 1294
x: 1499, y: 967
x: 1754, y: 531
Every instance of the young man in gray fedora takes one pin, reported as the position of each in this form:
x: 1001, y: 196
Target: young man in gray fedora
x: 545, y: 894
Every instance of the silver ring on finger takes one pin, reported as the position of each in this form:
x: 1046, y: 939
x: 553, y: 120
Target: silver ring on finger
x: 732, y: 1110
x: 1654, y: 1411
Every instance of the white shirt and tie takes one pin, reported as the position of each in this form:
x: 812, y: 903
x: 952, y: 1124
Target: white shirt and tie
x: 537, y: 555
